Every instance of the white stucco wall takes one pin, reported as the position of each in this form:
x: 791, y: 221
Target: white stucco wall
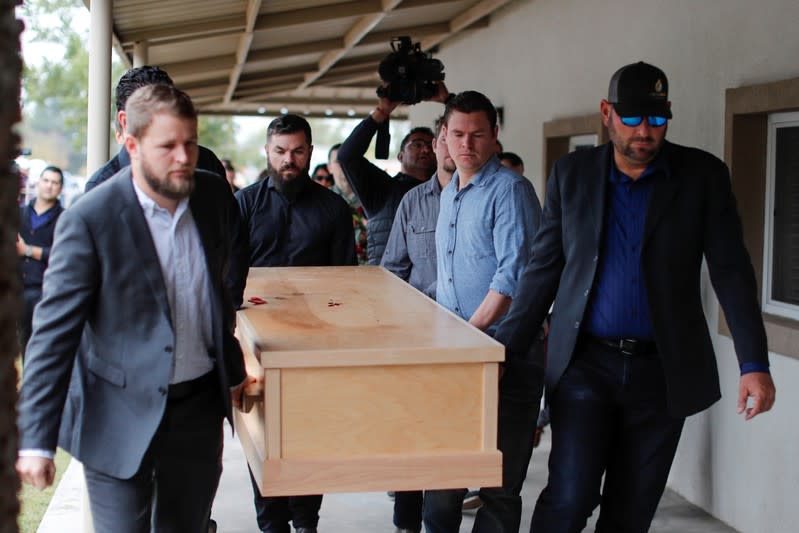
x: 548, y: 59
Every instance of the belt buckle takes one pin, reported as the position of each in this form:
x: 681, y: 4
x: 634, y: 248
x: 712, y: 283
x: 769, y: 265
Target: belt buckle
x: 627, y: 346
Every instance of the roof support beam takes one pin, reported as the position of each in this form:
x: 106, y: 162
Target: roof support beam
x: 355, y: 8
x: 216, y: 26
x: 253, y: 8
x: 353, y: 36
x: 465, y: 19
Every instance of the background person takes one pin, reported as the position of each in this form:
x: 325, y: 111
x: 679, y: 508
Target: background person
x: 37, y: 222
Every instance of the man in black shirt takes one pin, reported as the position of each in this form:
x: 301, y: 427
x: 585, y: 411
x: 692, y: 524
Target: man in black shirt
x: 288, y: 220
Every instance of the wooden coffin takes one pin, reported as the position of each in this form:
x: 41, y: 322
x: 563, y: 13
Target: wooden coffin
x: 369, y: 386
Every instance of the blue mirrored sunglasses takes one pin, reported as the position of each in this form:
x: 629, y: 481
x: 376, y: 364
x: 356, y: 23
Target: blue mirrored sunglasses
x: 636, y: 121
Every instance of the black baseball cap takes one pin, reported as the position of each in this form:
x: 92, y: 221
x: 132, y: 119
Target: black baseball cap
x: 640, y: 89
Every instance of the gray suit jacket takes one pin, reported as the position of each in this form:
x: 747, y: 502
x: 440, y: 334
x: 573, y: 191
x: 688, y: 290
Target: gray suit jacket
x: 104, y: 283
x: 691, y: 216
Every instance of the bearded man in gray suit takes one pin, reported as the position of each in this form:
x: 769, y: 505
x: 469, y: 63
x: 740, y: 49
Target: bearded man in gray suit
x: 137, y: 268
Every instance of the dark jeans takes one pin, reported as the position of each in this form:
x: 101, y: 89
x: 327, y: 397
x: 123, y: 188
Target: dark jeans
x: 30, y: 296
x: 609, y: 416
x: 174, y: 488
x: 274, y: 513
x: 408, y: 510
x: 519, y: 400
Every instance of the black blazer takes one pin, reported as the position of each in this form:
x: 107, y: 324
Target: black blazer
x: 104, y: 284
x: 691, y: 215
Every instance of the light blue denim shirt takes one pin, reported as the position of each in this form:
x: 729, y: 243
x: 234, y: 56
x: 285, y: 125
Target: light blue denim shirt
x: 484, y: 236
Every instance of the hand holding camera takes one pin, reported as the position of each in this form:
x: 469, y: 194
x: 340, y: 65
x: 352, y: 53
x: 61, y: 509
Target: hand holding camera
x: 409, y: 75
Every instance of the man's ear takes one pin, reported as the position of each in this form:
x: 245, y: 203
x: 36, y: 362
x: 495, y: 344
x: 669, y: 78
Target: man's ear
x: 605, y: 108
x: 120, y: 127
x: 132, y: 146
x: 399, y: 156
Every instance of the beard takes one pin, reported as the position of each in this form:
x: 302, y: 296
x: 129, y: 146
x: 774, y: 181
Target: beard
x: 288, y: 179
x: 449, y: 165
x: 641, y: 154
x: 172, y: 187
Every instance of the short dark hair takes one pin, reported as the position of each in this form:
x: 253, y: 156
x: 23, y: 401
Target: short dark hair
x: 471, y: 102
x: 437, y: 125
x: 514, y: 159
x: 317, y: 168
x: 421, y: 129
x: 289, y: 124
x: 332, y: 149
x: 53, y: 168
x: 136, y: 78
x: 146, y: 101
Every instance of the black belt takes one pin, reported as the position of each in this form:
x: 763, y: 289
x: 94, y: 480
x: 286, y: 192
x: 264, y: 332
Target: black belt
x: 627, y: 346
x: 178, y: 391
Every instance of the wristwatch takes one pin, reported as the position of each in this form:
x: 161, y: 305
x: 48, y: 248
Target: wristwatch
x: 28, y: 250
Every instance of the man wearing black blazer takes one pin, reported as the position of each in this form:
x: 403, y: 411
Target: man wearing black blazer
x: 624, y: 230
x: 137, y: 270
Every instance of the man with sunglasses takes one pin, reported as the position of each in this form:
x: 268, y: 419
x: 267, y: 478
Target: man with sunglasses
x: 623, y: 234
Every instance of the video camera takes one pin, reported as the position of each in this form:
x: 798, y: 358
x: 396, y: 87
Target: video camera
x: 410, y: 73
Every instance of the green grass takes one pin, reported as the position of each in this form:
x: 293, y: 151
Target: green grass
x: 34, y: 502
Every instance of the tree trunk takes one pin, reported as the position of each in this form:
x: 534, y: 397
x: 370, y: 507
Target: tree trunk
x: 10, y: 71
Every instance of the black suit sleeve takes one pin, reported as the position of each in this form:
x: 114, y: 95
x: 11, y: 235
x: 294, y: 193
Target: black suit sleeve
x: 731, y: 270
x: 539, y: 281
x: 370, y: 183
x: 236, y: 277
x: 207, y: 160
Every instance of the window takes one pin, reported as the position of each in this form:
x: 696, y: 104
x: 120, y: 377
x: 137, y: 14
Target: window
x: 781, y: 242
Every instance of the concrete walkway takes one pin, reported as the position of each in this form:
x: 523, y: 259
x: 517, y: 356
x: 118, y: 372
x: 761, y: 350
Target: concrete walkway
x: 356, y: 513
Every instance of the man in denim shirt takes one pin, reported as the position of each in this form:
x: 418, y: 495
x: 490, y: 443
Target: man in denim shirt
x: 411, y: 255
x: 486, y: 224
x: 411, y: 249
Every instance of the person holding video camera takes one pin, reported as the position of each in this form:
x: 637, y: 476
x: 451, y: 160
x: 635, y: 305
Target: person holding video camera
x: 379, y: 193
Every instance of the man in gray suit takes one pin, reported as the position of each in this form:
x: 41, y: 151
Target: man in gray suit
x: 138, y: 265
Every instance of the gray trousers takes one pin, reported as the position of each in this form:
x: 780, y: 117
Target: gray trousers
x: 175, y: 486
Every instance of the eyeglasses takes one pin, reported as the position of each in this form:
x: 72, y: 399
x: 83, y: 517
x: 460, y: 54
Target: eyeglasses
x: 632, y: 122
x: 418, y: 144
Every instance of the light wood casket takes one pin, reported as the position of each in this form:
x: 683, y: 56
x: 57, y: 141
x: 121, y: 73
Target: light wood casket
x: 369, y: 386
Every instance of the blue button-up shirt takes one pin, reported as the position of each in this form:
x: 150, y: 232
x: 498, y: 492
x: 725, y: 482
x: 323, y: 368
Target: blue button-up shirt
x: 619, y: 305
x: 411, y: 247
x: 484, y: 236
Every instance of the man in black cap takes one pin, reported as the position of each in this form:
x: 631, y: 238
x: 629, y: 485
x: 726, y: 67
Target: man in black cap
x: 622, y: 237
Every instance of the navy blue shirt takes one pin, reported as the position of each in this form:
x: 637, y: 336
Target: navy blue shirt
x: 619, y: 305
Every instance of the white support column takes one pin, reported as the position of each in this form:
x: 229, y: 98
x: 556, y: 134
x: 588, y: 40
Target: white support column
x: 99, y: 84
x: 141, y: 50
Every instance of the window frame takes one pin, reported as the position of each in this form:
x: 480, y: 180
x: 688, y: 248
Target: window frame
x: 746, y: 113
x: 776, y: 121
